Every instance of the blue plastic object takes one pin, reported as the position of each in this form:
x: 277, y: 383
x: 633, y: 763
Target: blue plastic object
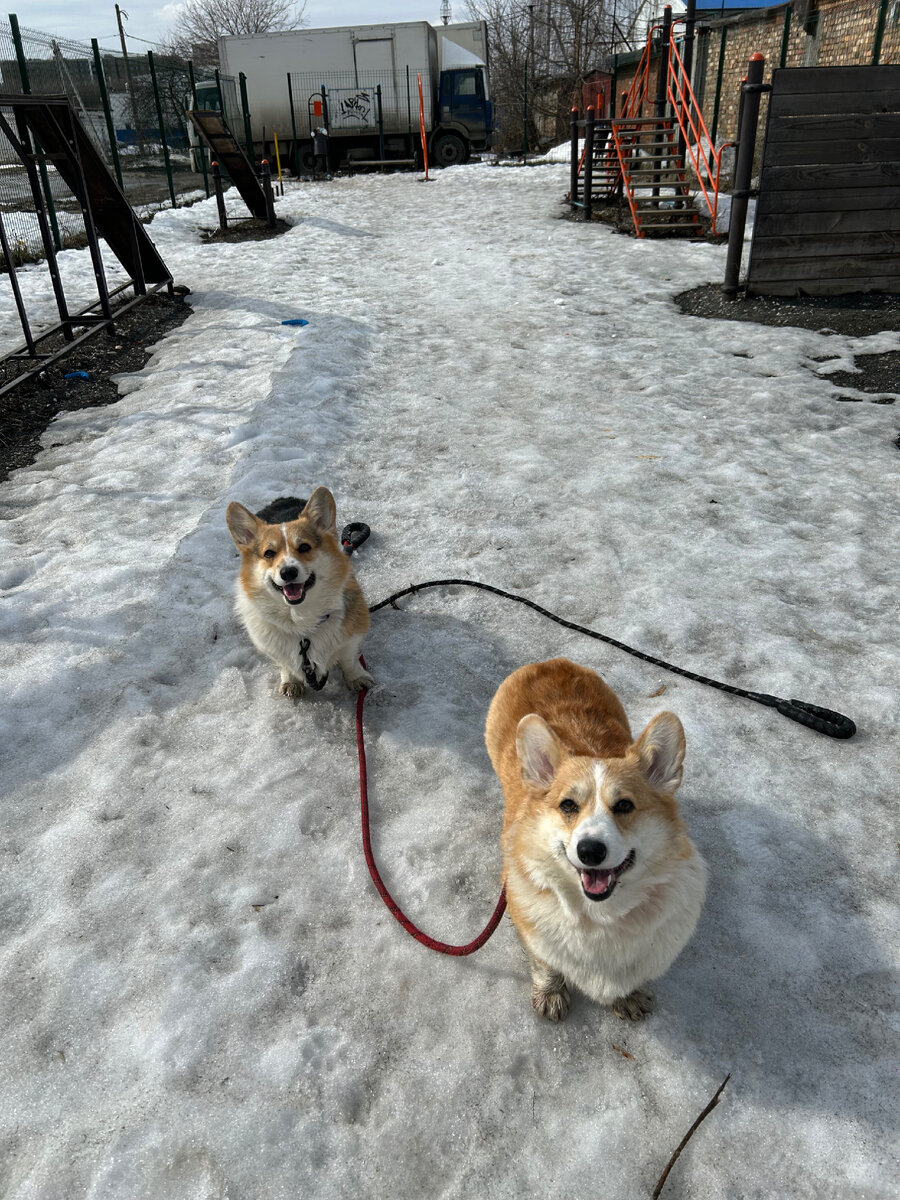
x: 296, y: 321
x: 78, y: 375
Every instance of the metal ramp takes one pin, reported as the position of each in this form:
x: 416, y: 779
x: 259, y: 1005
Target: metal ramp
x: 211, y: 126
x: 54, y: 127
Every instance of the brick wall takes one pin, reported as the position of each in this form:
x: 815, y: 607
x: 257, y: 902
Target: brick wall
x: 829, y: 33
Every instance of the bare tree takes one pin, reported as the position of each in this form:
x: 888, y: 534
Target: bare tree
x: 553, y: 44
x: 201, y: 22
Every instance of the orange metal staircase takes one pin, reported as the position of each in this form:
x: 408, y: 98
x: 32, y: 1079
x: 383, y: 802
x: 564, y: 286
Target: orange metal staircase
x: 642, y: 156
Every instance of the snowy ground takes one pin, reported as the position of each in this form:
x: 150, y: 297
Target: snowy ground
x: 203, y: 996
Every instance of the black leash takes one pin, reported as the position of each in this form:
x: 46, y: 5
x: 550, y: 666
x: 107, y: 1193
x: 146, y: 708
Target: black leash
x: 822, y: 720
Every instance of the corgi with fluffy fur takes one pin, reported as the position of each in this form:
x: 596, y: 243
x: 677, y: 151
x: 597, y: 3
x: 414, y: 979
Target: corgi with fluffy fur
x: 603, y: 884
x: 297, y: 595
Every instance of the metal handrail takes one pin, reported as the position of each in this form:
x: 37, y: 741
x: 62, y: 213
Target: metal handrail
x: 690, y: 121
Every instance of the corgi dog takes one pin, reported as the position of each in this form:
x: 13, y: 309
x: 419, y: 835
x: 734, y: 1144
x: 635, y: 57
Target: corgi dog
x: 297, y: 595
x: 603, y: 884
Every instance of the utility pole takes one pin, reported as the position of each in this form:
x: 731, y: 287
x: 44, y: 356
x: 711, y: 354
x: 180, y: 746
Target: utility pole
x: 129, y: 86
x: 445, y: 11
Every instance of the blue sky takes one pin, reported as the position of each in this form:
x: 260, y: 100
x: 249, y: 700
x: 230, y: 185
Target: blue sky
x: 150, y: 19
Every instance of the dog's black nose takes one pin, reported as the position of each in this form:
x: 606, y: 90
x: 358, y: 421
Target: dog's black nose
x: 591, y: 852
x: 289, y: 574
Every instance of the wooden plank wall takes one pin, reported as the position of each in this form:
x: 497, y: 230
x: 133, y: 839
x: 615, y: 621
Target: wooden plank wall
x: 828, y: 214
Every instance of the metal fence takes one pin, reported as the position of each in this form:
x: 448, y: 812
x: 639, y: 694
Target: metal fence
x: 385, y: 101
x: 133, y: 110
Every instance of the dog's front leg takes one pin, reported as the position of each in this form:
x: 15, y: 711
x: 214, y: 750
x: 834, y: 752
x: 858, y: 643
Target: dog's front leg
x: 291, y: 685
x: 549, y: 994
x: 355, y: 676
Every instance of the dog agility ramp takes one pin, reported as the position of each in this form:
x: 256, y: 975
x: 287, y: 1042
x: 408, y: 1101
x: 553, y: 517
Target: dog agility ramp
x: 211, y: 126
x: 64, y: 142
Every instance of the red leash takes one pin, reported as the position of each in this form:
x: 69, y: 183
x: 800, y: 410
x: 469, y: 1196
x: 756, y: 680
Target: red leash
x: 430, y: 942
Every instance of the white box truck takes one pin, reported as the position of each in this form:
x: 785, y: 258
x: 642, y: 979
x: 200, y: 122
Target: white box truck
x: 360, y: 83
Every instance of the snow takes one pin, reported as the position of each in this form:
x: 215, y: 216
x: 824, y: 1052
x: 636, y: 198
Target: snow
x: 203, y: 995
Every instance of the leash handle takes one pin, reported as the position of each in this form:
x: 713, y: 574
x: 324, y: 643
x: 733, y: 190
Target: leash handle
x: 353, y: 536
x: 823, y: 720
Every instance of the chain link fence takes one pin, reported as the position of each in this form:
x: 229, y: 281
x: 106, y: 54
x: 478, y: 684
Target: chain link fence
x: 134, y: 111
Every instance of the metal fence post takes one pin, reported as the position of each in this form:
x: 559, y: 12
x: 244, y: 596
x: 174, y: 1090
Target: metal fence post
x: 785, y: 36
x: 879, y: 32
x: 266, y: 172
x: 293, y: 127
x: 525, y: 116
x: 245, y: 109
x: 588, y: 162
x: 573, y: 159
x: 42, y: 166
x: 16, y: 290
x: 662, y: 78
x: 201, y: 149
x: 719, y: 71
x: 162, y: 128
x: 380, y: 123
x: 220, y: 198
x: 743, y: 172
x: 107, y: 112
x: 409, y: 124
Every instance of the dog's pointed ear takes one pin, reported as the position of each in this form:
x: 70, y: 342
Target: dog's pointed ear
x: 242, y: 524
x: 660, y: 750
x: 322, y: 511
x: 538, y: 749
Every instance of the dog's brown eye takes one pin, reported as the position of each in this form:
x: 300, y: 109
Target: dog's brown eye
x: 270, y: 553
x: 568, y: 806
x: 623, y: 806
x: 303, y: 548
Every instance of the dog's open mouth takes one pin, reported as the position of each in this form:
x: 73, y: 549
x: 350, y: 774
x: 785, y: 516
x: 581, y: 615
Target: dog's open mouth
x: 295, y: 593
x: 600, y: 885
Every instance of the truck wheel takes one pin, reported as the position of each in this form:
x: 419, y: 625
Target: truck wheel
x: 307, y: 158
x: 449, y: 150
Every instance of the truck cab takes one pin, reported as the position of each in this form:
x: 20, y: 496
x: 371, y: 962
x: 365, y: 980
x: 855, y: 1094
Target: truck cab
x: 465, y: 117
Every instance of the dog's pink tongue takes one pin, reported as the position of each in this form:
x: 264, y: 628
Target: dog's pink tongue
x: 293, y: 591
x: 596, y: 882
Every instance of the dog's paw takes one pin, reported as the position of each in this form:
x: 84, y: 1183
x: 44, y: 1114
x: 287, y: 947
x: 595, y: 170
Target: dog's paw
x: 361, y: 682
x: 292, y: 688
x: 551, y: 1004
x: 633, y: 1007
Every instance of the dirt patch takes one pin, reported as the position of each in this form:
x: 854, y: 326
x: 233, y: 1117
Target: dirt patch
x: 879, y: 373
x: 26, y: 411
x: 253, y: 230
x: 857, y: 315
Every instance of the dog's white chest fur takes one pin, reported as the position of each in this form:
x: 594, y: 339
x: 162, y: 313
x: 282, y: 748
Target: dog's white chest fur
x: 277, y: 629
x: 608, y: 956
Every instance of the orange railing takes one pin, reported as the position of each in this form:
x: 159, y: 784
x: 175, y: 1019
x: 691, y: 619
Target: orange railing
x: 705, y: 157
x: 699, y: 145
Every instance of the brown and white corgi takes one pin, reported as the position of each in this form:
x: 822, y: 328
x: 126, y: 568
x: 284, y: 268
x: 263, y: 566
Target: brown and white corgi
x: 603, y: 884
x: 297, y: 595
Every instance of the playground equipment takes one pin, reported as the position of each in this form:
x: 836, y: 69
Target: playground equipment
x: 47, y: 134
x: 213, y: 128
x: 641, y: 153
